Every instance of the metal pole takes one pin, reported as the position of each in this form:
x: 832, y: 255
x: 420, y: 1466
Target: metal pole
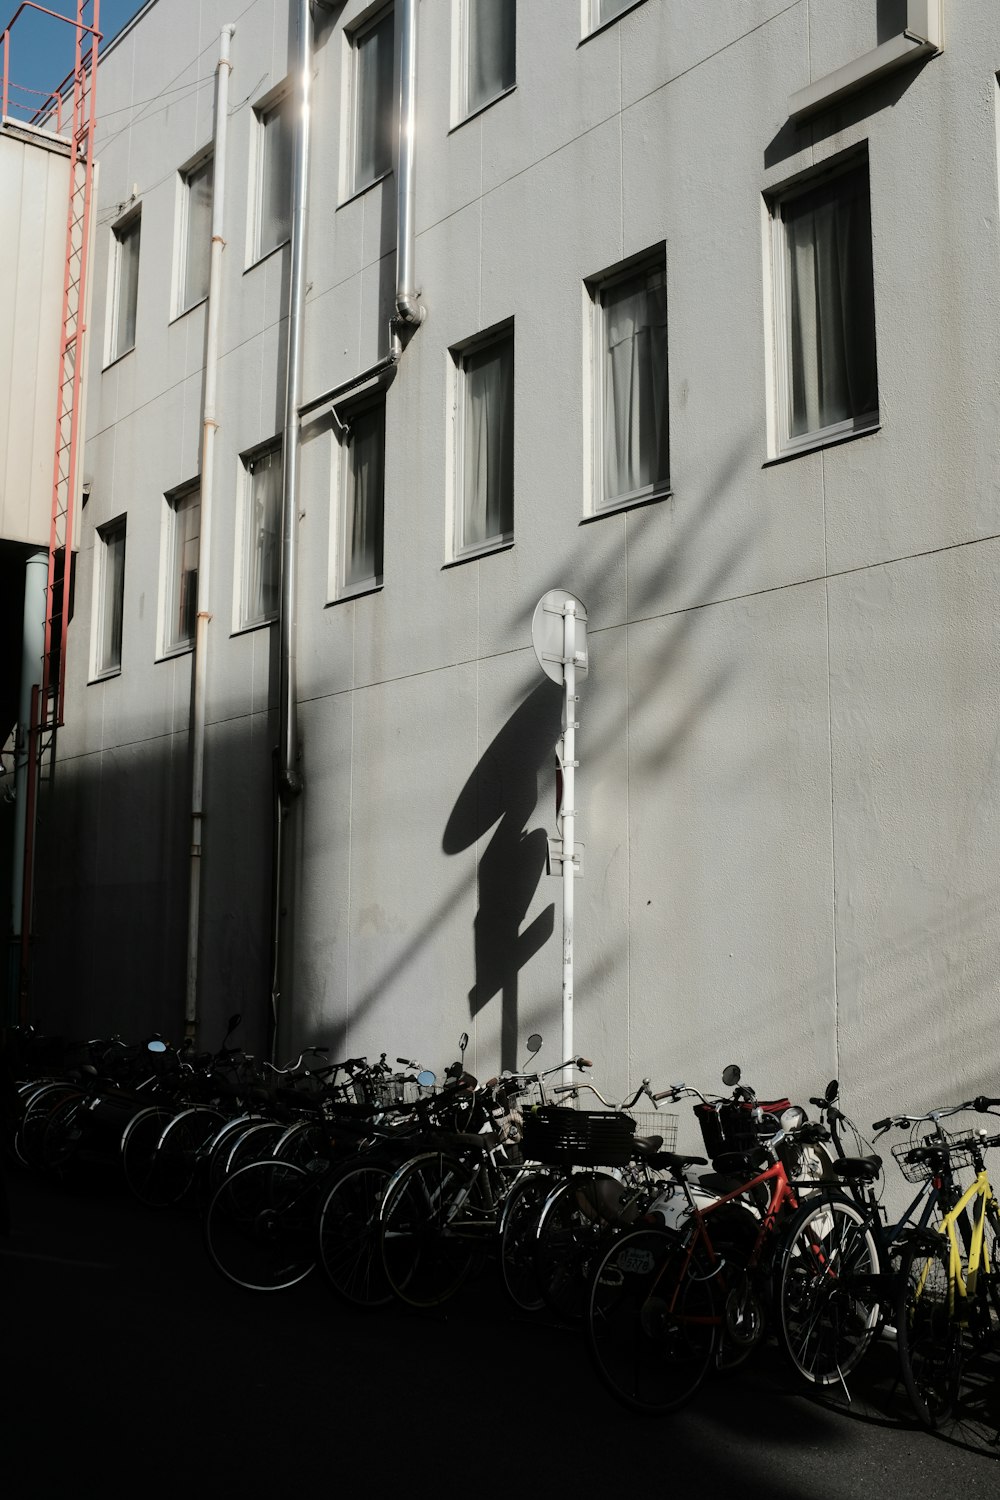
x: 567, y: 822
x: 36, y: 578
x: 199, y: 666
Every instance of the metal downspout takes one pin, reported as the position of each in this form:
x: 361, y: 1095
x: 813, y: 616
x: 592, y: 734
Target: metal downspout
x: 408, y: 308
x: 199, y: 665
x: 36, y: 581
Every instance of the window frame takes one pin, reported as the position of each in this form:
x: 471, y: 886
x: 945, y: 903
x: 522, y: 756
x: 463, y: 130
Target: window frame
x: 465, y: 108
x: 784, y: 444
x: 172, y: 644
x: 346, y: 415
x: 648, y: 262
x: 354, y: 182
x: 275, y: 105
x: 458, y: 549
x: 245, y: 618
x: 107, y: 663
x: 122, y: 232
x: 183, y: 301
x: 592, y: 23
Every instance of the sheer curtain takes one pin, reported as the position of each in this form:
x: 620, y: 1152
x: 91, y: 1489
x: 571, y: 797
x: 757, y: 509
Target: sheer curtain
x: 635, y: 385
x: 277, y: 148
x: 831, y: 305
x: 199, y: 233
x: 488, y: 508
x: 113, y: 601
x: 373, y: 116
x: 366, y: 487
x: 491, y: 41
x: 264, y: 539
x: 187, y: 527
x: 128, y: 286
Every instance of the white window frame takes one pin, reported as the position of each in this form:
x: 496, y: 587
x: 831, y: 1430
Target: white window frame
x: 465, y: 108
x: 598, y: 502
x: 276, y: 104
x: 172, y: 643
x: 246, y: 617
x: 458, y: 549
x: 783, y: 442
x: 183, y: 299
x: 106, y: 662
x: 345, y: 418
x: 121, y: 236
x: 592, y: 22
x: 356, y: 181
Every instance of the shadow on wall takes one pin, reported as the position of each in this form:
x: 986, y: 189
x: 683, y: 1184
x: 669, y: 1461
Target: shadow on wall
x: 501, y: 794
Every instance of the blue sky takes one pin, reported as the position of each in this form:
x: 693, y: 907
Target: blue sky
x: 41, y: 48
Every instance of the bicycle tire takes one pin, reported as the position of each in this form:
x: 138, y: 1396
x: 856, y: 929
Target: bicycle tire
x: 174, y: 1167
x: 218, y: 1147
x: 652, y: 1320
x: 829, y: 1311
x: 569, y: 1237
x: 349, y: 1248
x: 300, y: 1143
x: 426, y: 1250
x: 260, y: 1226
x: 34, y: 1121
x: 930, y: 1340
x: 253, y: 1144
x: 518, y: 1231
x: 138, y: 1145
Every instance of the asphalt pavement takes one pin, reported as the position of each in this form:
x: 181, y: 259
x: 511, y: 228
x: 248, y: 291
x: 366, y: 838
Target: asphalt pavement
x: 133, y: 1369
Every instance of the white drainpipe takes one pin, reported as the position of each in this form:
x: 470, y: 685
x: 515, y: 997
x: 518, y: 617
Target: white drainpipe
x: 199, y: 665
x: 408, y: 308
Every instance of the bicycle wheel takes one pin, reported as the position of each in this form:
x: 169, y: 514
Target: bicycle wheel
x: 252, y: 1144
x: 930, y: 1340
x: 174, y: 1166
x: 260, y: 1226
x: 138, y: 1145
x: 829, y: 1309
x: 34, y: 1122
x: 426, y: 1238
x: 571, y: 1234
x: 300, y: 1143
x: 518, y: 1230
x: 349, y: 1249
x: 652, y: 1320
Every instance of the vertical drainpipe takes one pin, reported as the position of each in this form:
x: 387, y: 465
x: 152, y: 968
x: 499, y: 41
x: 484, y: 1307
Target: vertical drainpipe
x: 289, y: 783
x: 408, y: 309
x: 199, y: 665
x: 36, y: 583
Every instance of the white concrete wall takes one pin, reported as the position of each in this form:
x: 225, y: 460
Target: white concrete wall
x: 34, y: 188
x: 789, y: 787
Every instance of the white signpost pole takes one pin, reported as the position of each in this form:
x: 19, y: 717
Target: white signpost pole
x: 559, y: 636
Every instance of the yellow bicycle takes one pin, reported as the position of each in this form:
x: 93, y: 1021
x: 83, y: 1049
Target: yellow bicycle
x: 948, y: 1307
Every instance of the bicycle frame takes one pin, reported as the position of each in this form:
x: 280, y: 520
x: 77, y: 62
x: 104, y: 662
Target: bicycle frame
x: 962, y: 1288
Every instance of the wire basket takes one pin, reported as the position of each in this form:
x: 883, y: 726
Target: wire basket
x: 577, y: 1137
x: 731, y: 1127
x: 656, y: 1122
x: 960, y: 1150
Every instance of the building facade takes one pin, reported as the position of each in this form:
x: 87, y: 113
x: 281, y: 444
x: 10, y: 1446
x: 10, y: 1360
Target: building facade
x: 710, y: 341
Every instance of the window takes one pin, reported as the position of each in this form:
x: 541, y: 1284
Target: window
x: 374, y: 116
x: 275, y: 149
x: 261, y: 552
x: 195, y: 233
x: 490, y: 29
x: 110, y: 599
x: 827, y: 382
x: 484, y: 509
x: 124, y: 286
x: 631, y: 448
x: 362, y: 489
x: 602, y: 11
x: 181, y: 600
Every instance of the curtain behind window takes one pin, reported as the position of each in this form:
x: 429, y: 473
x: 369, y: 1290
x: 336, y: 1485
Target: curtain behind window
x: 277, y: 148
x: 187, y: 528
x: 113, y: 601
x: 264, y: 539
x: 831, y: 305
x: 488, y: 509
x: 635, y: 385
x: 491, y: 40
x: 128, y: 286
x: 363, y: 522
x: 199, y: 233
x: 373, y: 102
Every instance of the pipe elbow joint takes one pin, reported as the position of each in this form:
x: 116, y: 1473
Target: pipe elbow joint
x: 409, y: 310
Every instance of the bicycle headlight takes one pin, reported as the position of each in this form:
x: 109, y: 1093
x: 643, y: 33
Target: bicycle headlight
x: 793, y: 1117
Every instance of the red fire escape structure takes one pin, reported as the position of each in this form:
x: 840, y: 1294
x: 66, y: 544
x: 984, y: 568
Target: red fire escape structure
x: 73, y: 102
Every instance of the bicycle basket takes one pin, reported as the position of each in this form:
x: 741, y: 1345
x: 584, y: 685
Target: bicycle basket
x: 957, y: 1148
x: 577, y: 1137
x: 731, y: 1127
x: 656, y: 1122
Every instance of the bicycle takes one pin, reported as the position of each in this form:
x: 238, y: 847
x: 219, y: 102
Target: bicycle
x: 660, y: 1301
x: 948, y: 1304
